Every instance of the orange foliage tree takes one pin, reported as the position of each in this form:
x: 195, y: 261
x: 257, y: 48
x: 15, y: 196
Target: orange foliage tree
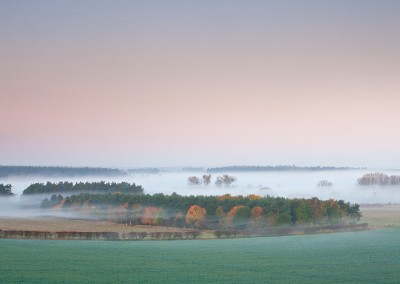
x: 150, y: 216
x: 238, y: 216
x: 233, y: 211
x: 257, y: 217
x: 196, y: 216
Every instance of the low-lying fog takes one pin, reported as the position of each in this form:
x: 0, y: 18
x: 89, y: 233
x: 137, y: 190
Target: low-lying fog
x: 290, y: 184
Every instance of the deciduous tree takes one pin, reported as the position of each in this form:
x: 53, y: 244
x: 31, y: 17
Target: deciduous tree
x: 196, y: 216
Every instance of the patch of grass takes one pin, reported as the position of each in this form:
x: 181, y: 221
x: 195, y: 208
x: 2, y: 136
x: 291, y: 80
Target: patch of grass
x: 369, y: 256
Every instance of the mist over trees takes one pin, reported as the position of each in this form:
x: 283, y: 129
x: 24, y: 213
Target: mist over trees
x: 206, y: 180
x: 5, y: 190
x: 273, y: 168
x: 225, y: 180
x: 378, y: 179
x: 324, y: 183
x: 210, y: 212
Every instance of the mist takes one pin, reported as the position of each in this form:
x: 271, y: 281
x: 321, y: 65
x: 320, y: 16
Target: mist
x: 288, y: 184
x: 28, y: 207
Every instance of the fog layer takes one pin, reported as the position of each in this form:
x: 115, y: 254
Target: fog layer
x: 289, y: 184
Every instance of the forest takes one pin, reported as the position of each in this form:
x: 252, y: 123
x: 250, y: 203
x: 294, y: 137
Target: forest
x: 5, y: 190
x: 6, y: 171
x: 207, y: 212
x: 69, y: 187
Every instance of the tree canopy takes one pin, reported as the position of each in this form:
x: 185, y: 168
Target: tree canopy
x: 95, y: 187
x: 5, y: 189
x: 211, y: 211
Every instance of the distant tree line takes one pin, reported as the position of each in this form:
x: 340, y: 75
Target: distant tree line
x: 143, y: 171
x: 5, y: 190
x: 272, y: 168
x: 57, y: 171
x: 213, y: 212
x: 192, y: 169
x: 378, y: 179
x: 95, y: 187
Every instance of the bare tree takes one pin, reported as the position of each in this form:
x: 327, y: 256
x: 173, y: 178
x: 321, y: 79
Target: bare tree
x: 225, y: 180
x: 193, y: 180
x: 324, y: 183
x: 207, y: 179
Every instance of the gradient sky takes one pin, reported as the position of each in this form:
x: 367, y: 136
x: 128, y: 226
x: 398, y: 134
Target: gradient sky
x: 208, y: 83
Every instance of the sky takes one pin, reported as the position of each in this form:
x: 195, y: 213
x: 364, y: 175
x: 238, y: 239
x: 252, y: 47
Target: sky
x: 200, y: 83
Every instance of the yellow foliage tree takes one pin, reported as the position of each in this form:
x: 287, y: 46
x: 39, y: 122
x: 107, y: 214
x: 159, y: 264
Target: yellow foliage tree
x: 196, y: 216
x: 219, y: 212
x: 253, y: 197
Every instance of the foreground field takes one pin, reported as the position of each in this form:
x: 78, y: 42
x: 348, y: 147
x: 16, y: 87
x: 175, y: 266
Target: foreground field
x: 369, y: 256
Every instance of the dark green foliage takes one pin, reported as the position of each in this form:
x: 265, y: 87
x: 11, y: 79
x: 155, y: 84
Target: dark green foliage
x: 95, y: 187
x: 278, y: 211
x: 241, y: 218
x: 5, y: 189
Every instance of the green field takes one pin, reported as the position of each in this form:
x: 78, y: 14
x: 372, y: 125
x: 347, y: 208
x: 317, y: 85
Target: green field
x: 359, y: 257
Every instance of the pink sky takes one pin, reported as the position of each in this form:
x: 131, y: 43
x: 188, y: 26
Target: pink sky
x: 168, y: 91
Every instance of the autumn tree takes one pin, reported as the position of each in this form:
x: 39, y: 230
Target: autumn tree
x: 333, y: 212
x: 319, y: 210
x: 304, y: 214
x: 257, y: 217
x: 238, y: 216
x: 150, y: 216
x: 253, y: 197
x: 221, y: 215
x: 196, y: 216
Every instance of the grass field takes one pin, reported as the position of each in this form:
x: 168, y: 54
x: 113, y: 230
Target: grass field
x: 359, y: 257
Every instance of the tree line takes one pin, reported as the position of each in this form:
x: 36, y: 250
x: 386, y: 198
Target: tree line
x: 378, y: 179
x: 57, y: 171
x: 273, y: 168
x: 69, y: 187
x: 212, y: 212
